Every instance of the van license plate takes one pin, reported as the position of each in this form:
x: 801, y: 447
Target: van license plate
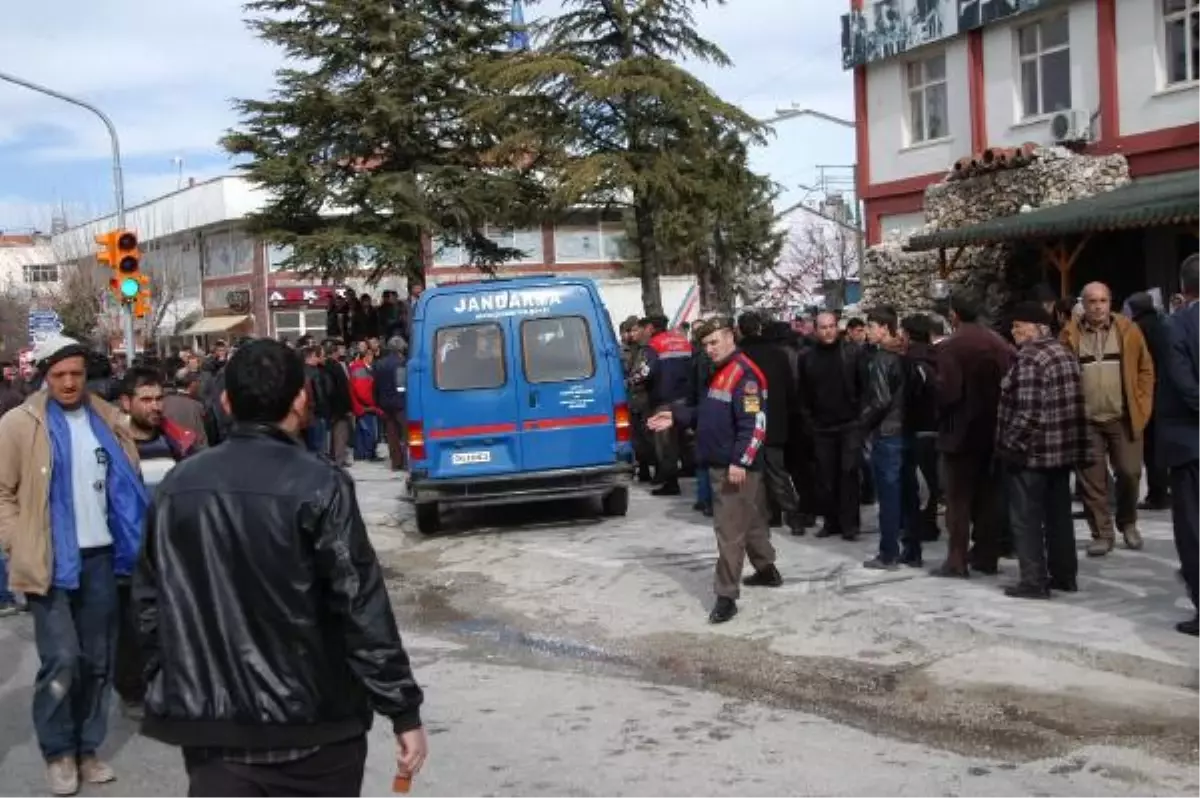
x: 465, y: 458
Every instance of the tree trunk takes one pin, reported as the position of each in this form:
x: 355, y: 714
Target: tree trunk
x: 648, y: 250
x: 704, y: 285
x: 722, y: 277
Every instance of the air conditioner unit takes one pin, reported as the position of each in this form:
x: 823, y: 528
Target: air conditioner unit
x: 1074, y: 124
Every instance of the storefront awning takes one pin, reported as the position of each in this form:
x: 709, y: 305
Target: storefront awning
x: 1149, y: 202
x: 215, y: 324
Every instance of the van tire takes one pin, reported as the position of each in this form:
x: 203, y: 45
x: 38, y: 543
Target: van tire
x: 616, y: 502
x: 429, y: 521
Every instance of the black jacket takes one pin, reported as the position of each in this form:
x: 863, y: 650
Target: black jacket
x: 883, y: 399
x: 1177, y: 400
x: 339, y: 389
x: 319, y: 380
x: 920, y: 411
x: 390, y: 392
x: 771, y: 358
x: 1154, y: 330
x: 261, y: 606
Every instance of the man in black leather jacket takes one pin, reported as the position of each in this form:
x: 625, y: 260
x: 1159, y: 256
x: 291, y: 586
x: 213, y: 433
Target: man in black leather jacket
x: 883, y: 420
x: 264, y: 619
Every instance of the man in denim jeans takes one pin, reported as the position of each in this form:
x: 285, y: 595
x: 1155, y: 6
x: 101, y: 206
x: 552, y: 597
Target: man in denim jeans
x: 71, y: 508
x: 883, y: 421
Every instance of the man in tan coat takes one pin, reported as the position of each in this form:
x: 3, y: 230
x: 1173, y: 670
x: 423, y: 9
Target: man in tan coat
x: 1118, y: 392
x: 71, y: 507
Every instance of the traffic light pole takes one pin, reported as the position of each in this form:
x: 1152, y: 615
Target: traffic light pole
x: 118, y: 177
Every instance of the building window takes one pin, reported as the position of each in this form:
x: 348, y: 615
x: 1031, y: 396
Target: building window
x: 1044, y: 49
x: 596, y: 243
x: 276, y: 255
x: 927, y: 99
x: 40, y: 273
x: 1182, y: 21
x: 291, y: 324
x: 529, y: 242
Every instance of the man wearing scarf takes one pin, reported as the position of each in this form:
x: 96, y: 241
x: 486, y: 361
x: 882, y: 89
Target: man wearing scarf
x: 71, y: 508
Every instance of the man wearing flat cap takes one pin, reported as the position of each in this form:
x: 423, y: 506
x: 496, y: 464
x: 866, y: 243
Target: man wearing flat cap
x: 1041, y: 437
x: 71, y: 509
x: 731, y: 431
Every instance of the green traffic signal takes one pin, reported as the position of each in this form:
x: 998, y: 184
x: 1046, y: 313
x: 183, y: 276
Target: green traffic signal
x: 130, y: 287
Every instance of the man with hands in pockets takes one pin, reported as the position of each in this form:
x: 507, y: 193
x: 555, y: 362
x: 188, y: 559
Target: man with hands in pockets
x: 731, y: 426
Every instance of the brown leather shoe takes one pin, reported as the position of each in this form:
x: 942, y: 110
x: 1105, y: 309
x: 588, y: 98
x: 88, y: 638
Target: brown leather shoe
x: 1099, y: 547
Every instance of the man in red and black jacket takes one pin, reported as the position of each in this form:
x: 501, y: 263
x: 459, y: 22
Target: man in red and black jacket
x: 731, y: 432
x: 668, y: 377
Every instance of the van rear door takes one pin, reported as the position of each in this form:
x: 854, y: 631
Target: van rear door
x: 471, y: 415
x: 567, y: 409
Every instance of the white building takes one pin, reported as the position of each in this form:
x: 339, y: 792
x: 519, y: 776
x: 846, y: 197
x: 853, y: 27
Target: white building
x: 937, y: 80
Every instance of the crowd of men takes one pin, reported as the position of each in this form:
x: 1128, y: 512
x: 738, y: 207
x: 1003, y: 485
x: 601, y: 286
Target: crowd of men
x: 118, y: 509
x: 815, y: 419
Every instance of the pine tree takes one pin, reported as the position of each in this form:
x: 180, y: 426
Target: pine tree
x: 367, y: 148
x: 615, y: 115
x: 726, y: 235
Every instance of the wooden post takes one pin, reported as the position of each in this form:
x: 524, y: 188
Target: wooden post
x: 1063, y: 260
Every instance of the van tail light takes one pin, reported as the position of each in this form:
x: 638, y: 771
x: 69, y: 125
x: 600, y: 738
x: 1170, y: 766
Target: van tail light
x: 622, y: 423
x: 416, y: 441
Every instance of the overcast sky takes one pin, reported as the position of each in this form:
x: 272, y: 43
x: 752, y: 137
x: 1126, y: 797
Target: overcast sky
x: 169, y: 92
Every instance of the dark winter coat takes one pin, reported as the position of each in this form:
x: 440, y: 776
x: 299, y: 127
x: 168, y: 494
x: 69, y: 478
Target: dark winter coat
x: 772, y: 359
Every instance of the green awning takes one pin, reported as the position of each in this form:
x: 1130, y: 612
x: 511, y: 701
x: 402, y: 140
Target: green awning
x: 1148, y: 202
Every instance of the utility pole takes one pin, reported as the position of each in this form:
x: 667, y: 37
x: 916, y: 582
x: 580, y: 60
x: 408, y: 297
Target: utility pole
x: 117, y: 175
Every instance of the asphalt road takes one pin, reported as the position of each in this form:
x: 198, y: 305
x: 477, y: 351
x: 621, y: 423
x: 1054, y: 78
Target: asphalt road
x: 564, y: 654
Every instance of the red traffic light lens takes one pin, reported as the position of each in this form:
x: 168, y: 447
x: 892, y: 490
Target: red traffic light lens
x: 128, y: 265
x: 127, y: 241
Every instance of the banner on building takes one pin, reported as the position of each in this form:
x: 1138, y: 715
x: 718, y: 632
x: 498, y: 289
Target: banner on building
x: 886, y: 28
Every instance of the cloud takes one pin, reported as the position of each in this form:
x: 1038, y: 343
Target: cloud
x: 169, y: 93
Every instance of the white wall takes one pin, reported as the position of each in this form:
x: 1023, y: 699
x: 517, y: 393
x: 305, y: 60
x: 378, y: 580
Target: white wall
x: 1144, y: 102
x: 1002, y: 83
x: 887, y: 109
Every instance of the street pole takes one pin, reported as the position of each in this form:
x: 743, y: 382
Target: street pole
x: 118, y: 178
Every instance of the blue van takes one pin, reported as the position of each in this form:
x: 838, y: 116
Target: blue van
x: 515, y: 394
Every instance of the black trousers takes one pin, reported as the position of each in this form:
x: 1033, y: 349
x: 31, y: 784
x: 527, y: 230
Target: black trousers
x: 128, y: 678
x: 920, y: 521
x: 1039, y: 509
x: 643, y: 443
x: 1185, y: 493
x: 781, y: 493
x: 837, y: 456
x: 335, y: 770
x: 1158, y: 478
x: 802, y: 467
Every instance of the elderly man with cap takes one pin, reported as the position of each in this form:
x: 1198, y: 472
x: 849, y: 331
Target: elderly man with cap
x: 1041, y: 437
x: 71, y: 509
x: 731, y: 430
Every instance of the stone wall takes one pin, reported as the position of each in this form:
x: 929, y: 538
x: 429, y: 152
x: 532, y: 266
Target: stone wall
x: 1055, y: 176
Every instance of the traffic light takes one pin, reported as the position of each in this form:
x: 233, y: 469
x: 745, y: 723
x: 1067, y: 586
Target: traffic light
x: 119, y: 251
x: 141, y: 304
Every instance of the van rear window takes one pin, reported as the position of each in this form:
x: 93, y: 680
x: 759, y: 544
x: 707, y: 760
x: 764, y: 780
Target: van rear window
x: 557, y: 349
x: 469, y: 357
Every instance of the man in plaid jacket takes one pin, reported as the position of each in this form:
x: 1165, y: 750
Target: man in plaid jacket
x: 1041, y: 437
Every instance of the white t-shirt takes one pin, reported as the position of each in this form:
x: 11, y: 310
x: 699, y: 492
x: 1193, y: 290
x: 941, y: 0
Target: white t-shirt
x: 89, y: 472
